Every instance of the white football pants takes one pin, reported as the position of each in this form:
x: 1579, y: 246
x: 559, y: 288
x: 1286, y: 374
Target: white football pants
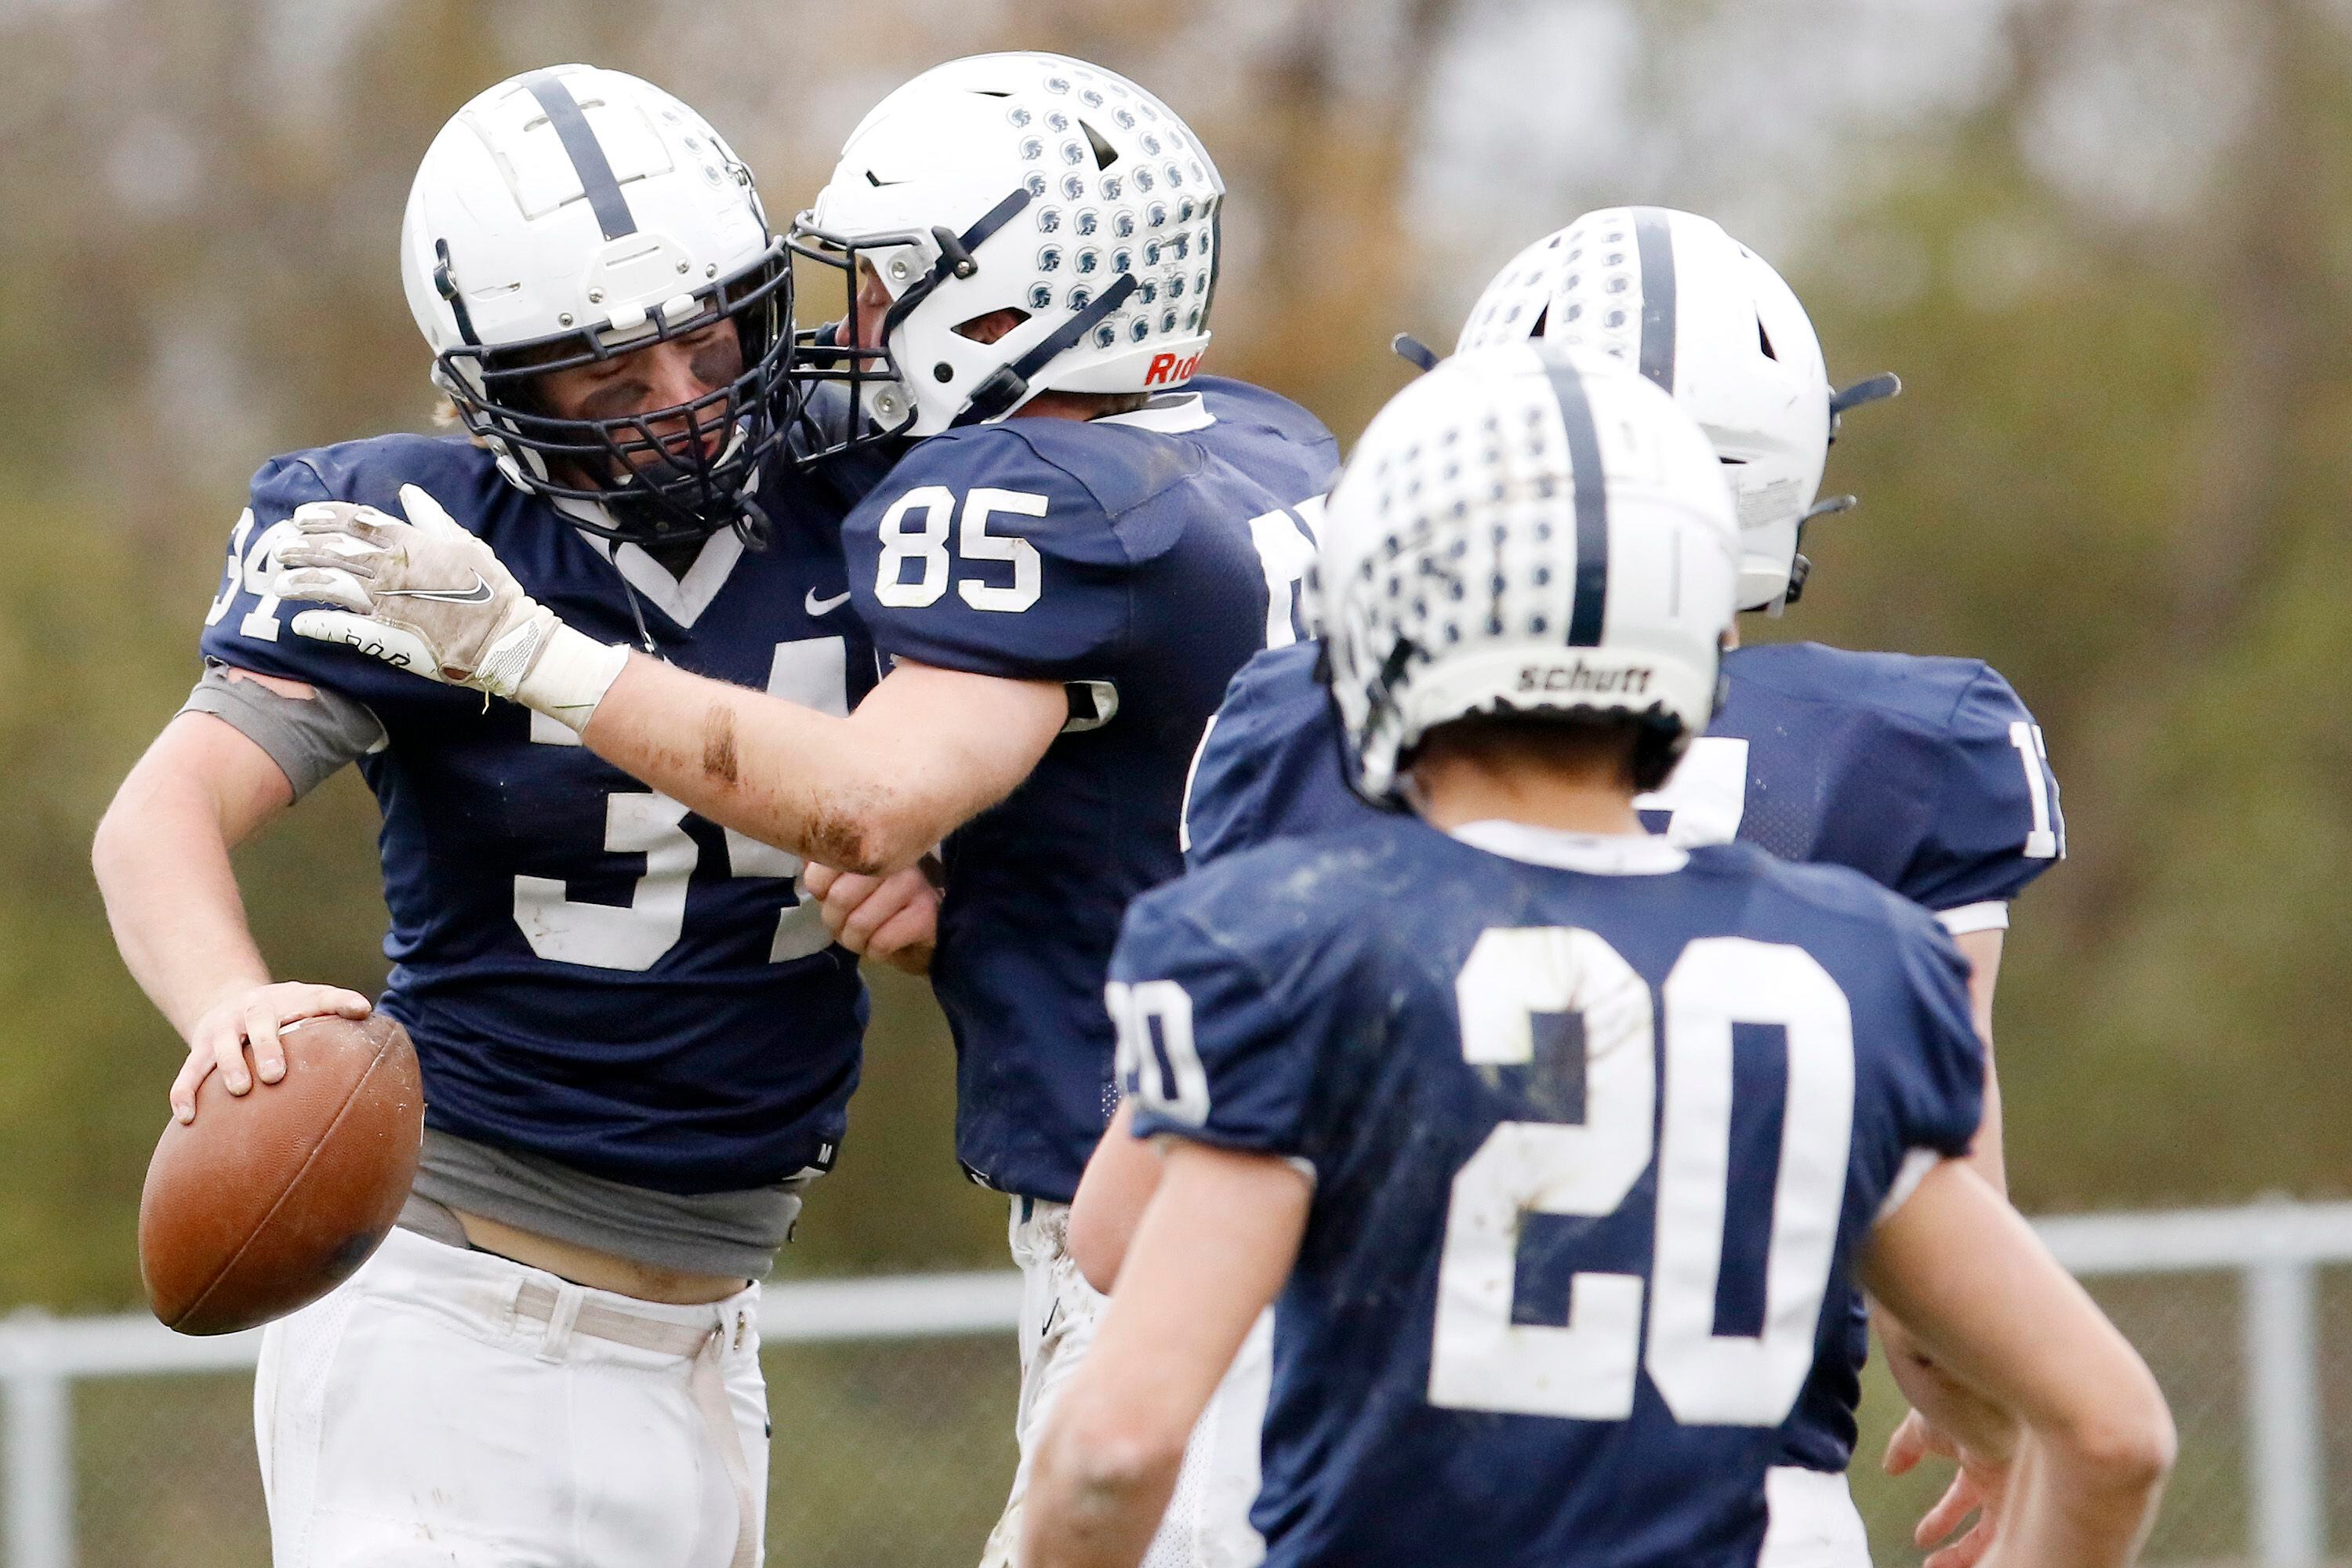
x: 1813, y: 1522
x: 1207, y: 1523
x: 456, y: 1409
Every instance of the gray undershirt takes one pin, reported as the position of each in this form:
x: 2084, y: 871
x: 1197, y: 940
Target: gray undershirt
x: 309, y: 738
x: 734, y: 1233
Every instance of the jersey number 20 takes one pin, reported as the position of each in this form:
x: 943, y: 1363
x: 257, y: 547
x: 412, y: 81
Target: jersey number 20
x: 1586, y: 1368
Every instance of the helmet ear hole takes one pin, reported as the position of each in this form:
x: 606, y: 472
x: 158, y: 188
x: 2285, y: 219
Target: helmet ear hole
x: 990, y: 325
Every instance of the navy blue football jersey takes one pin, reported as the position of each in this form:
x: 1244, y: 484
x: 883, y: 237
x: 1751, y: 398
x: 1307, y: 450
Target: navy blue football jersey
x: 1597, y: 1128
x: 1270, y: 438
x: 1270, y: 765
x: 1927, y: 776
x: 1134, y: 559
x: 590, y: 973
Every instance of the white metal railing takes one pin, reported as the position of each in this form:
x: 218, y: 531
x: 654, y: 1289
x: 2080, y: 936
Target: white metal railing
x: 2276, y: 1249
x: 41, y: 1357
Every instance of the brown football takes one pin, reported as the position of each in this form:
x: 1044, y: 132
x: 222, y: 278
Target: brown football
x: 268, y: 1199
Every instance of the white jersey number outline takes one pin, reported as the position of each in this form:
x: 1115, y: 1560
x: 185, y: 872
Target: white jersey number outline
x: 1705, y: 796
x: 1586, y: 1369
x: 2044, y: 841
x: 927, y: 545
x: 1284, y: 540
x: 814, y: 672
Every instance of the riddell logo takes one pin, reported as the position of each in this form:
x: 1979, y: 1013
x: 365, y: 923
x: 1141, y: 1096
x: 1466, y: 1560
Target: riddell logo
x: 1582, y: 676
x: 1167, y: 369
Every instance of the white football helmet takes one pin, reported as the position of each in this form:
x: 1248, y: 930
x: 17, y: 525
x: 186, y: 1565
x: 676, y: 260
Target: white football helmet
x: 1526, y: 529
x: 1673, y: 296
x: 572, y: 213
x: 1017, y: 181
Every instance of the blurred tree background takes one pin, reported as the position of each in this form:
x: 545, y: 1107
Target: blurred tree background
x: 2106, y: 242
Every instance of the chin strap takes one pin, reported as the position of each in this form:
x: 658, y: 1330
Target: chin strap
x: 955, y: 257
x: 1800, y: 568
x: 445, y: 283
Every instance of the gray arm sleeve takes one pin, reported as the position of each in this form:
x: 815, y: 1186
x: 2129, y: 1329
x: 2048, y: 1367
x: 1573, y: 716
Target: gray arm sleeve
x: 308, y: 737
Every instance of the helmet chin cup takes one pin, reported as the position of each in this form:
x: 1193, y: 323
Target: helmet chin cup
x: 1799, y: 568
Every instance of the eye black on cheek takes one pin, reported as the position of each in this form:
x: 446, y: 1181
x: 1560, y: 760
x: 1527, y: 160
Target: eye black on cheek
x: 614, y: 400
x: 717, y: 364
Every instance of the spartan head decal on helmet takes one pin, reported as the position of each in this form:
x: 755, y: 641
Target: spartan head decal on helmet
x: 1056, y: 203
x: 571, y: 216
x: 1526, y: 529
x: 1670, y: 294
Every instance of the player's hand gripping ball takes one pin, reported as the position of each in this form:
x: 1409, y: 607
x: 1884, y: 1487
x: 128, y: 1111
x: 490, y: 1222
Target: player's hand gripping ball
x: 268, y: 1199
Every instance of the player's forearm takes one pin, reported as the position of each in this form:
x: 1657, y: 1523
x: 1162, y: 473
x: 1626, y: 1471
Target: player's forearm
x: 2074, y: 1504
x: 1097, y: 1497
x: 1983, y: 951
x: 2094, y: 1466
x: 924, y: 751
x: 1118, y: 1182
x: 825, y: 788
x: 1985, y: 1155
x: 161, y: 860
x: 1215, y: 1243
x: 2001, y: 1320
x: 1953, y: 1407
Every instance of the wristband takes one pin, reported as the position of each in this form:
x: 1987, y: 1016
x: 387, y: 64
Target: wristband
x: 570, y: 677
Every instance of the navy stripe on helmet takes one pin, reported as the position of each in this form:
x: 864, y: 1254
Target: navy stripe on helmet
x: 1653, y: 239
x: 587, y: 154
x: 1591, y: 502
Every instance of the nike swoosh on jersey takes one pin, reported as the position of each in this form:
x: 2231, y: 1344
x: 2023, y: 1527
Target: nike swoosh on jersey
x: 817, y: 606
x: 479, y: 594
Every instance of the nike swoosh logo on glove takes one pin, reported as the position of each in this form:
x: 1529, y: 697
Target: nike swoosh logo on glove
x: 817, y: 606
x: 479, y: 594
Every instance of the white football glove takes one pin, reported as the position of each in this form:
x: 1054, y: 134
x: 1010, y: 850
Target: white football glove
x: 426, y: 596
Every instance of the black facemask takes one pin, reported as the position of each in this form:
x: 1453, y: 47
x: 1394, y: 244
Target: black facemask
x: 657, y: 488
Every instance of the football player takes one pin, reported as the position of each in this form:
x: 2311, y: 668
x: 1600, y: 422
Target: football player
x: 1064, y: 570
x: 1548, y: 1136
x: 637, y: 1041
x: 1926, y: 774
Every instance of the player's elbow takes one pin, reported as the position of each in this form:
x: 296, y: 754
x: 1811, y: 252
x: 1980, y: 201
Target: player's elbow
x: 2130, y: 1449
x: 1121, y: 1459
x: 2124, y: 1443
x: 121, y: 844
x: 106, y: 845
x: 871, y: 832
